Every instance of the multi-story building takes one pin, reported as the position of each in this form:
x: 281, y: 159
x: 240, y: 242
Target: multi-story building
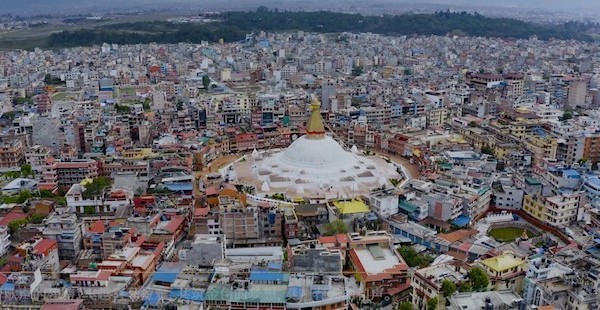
x: 12, y: 155
x: 4, y: 240
x: 65, y: 228
x: 107, y: 202
x: 377, y: 265
x: 591, y: 147
x: 57, y: 174
x: 38, y: 253
x: 249, y: 225
x: 427, y: 282
x: 505, y: 271
x: 560, y: 210
x: 36, y: 156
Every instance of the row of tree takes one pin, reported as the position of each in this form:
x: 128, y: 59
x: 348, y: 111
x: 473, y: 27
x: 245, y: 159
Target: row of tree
x: 237, y: 24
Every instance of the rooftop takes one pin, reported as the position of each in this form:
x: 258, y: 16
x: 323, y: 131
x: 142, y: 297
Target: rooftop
x: 376, y: 259
x: 351, y: 206
x: 503, y: 262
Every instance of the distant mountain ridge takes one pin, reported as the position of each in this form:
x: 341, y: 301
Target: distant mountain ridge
x: 34, y: 7
x: 237, y: 24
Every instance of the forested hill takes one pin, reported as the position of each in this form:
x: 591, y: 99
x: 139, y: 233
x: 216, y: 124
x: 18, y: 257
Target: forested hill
x: 237, y: 24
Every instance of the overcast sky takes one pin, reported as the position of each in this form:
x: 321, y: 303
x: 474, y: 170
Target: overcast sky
x: 29, y: 7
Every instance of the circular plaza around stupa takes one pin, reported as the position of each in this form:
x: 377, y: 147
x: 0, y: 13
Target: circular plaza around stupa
x: 314, y: 165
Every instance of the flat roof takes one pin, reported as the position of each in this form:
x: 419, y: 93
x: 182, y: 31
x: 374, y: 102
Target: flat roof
x: 351, y: 206
x: 257, y: 293
x: 502, y: 262
x: 374, y: 264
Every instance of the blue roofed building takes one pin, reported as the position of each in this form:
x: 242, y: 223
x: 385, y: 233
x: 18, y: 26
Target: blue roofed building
x: 167, y: 274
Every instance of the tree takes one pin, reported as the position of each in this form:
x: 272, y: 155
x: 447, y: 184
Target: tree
x: 472, y: 124
x: 567, y: 115
x: 335, y: 227
x: 206, y: 81
x: 96, y: 187
x: 465, y: 287
x: 448, y: 287
x: 479, y: 278
x: 432, y: 303
x: 15, y: 225
x: 412, y: 258
x: 406, y: 305
x: 487, y: 150
x: 89, y: 210
x: 356, y: 71
x: 26, y: 170
x: 37, y: 218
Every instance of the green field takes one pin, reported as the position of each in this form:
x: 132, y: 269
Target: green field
x: 65, y: 96
x: 509, y: 233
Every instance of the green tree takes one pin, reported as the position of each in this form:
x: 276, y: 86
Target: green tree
x: 567, y: 115
x: 206, y: 81
x: 472, y: 124
x: 414, y: 259
x: 15, y: 225
x: 358, y: 70
x: 405, y: 305
x: 487, y: 150
x: 37, y: 218
x: 479, y: 278
x: 432, y: 303
x: 448, y: 287
x: 26, y: 170
x: 22, y: 100
x: 96, y: 187
x: 465, y: 287
x: 407, y: 71
x: 335, y: 227
x: 89, y: 210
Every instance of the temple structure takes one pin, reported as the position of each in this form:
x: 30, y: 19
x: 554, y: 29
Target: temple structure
x: 315, y: 164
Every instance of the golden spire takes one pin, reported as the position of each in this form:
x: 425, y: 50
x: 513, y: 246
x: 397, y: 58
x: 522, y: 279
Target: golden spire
x: 315, y: 127
x: 524, y: 235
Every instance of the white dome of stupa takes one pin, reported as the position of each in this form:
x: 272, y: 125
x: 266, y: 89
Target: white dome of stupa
x: 316, y: 153
x: 317, y: 164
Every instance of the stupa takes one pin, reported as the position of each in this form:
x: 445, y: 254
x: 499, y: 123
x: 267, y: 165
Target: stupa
x: 316, y: 164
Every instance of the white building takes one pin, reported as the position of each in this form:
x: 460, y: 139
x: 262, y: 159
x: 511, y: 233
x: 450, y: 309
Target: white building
x: 18, y: 185
x: 508, y: 197
x: 385, y: 204
x: 4, y: 240
x: 108, y: 202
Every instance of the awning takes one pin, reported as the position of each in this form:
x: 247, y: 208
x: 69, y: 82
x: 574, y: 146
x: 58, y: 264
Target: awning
x: 462, y: 221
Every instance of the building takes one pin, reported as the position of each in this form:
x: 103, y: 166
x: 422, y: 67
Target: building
x: 18, y: 185
x: 108, y: 202
x: 377, y: 265
x: 505, y: 271
x: 427, y: 282
x: 12, y: 155
x: 66, y: 229
x: 500, y: 300
x: 38, y: 253
x: 4, y: 240
x: 36, y: 156
x: 246, y: 225
x: 559, y: 211
x: 577, y: 93
x: 63, y: 175
x: 64, y: 304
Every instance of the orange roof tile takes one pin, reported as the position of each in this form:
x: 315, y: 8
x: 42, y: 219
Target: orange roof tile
x: 97, y: 227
